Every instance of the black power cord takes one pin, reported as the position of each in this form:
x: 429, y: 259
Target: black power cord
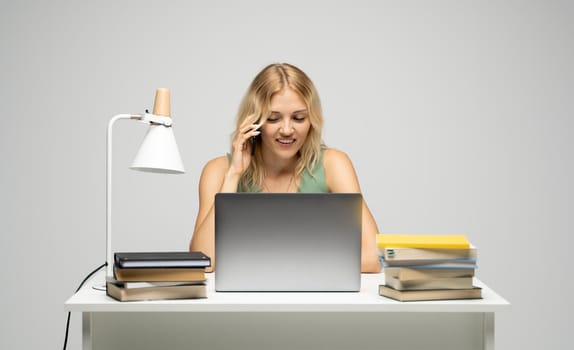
x: 80, y: 287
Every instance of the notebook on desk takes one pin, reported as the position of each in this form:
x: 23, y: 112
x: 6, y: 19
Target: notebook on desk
x: 291, y: 242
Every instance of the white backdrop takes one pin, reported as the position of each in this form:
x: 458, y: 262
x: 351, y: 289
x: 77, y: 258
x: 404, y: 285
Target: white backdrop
x: 455, y: 114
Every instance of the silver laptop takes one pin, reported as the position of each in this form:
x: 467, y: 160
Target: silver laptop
x: 290, y: 242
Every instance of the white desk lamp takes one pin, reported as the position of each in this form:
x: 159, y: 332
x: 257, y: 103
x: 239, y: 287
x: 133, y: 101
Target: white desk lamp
x: 158, y: 153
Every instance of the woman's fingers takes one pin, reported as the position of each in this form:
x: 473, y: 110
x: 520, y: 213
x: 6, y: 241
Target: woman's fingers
x: 245, y: 133
x: 249, y: 128
x: 241, y: 151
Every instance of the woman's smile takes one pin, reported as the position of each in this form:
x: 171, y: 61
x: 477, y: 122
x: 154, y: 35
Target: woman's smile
x: 288, y: 125
x: 285, y: 142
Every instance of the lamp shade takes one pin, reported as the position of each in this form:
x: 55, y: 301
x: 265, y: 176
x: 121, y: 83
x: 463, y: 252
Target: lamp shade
x: 158, y: 152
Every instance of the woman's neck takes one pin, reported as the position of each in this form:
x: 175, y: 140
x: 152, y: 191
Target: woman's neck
x: 275, y: 167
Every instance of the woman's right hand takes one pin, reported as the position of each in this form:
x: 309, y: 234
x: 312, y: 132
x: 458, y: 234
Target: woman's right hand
x: 241, y: 147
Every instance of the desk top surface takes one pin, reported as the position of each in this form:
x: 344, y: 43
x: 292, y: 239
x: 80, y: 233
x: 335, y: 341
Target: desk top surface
x: 90, y: 299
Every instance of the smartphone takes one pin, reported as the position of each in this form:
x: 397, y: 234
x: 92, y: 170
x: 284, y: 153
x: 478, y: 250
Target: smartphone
x: 254, y: 141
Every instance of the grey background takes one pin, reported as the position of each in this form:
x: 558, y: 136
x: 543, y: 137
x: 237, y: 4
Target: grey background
x: 455, y: 114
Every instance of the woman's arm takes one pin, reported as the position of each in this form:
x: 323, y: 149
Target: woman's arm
x: 341, y: 177
x: 214, y: 178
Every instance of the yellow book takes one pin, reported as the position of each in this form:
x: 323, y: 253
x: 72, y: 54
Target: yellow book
x: 385, y: 240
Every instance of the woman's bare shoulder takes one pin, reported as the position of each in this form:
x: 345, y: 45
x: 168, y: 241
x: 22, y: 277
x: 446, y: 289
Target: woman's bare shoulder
x: 216, y: 166
x: 339, y: 171
x: 334, y: 157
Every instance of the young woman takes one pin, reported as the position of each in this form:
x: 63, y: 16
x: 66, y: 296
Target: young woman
x: 277, y: 147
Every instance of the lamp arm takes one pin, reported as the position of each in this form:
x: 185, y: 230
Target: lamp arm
x: 109, y: 258
x: 156, y: 119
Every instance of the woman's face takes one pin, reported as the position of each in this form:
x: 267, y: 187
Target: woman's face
x: 286, y: 129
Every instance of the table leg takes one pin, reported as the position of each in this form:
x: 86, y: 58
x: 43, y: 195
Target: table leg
x: 87, y: 331
x: 488, y: 330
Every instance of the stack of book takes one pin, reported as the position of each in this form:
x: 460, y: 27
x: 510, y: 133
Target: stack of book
x: 427, y: 267
x: 158, y: 275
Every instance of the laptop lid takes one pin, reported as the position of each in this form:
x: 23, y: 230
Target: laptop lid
x: 288, y: 241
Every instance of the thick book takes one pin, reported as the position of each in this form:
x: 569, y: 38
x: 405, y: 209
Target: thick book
x: 161, y: 274
x: 432, y: 264
x: 396, y: 254
x: 138, y: 291
x: 469, y: 263
x: 409, y: 274
x: 161, y: 259
x: 433, y: 294
x: 385, y: 240
x: 424, y: 284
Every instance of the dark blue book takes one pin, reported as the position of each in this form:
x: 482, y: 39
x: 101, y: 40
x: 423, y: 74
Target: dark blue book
x: 161, y: 260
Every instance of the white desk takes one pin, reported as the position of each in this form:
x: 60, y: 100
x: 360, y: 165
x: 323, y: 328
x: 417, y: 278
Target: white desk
x: 362, y: 320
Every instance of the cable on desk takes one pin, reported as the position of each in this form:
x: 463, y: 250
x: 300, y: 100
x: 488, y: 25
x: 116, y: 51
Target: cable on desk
x: 80, y: 287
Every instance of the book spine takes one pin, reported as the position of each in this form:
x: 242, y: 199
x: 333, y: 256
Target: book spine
x: 437, y: 263
x: 438, y: 283
x: 407, y: 273
x: 427, y: 254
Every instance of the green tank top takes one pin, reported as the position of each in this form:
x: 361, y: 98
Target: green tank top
x: 311, y: 182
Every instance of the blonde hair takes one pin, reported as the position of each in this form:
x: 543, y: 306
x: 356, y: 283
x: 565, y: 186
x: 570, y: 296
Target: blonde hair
x: 256, y: 106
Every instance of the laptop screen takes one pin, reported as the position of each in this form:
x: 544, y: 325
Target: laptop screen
x: 288, y: 241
